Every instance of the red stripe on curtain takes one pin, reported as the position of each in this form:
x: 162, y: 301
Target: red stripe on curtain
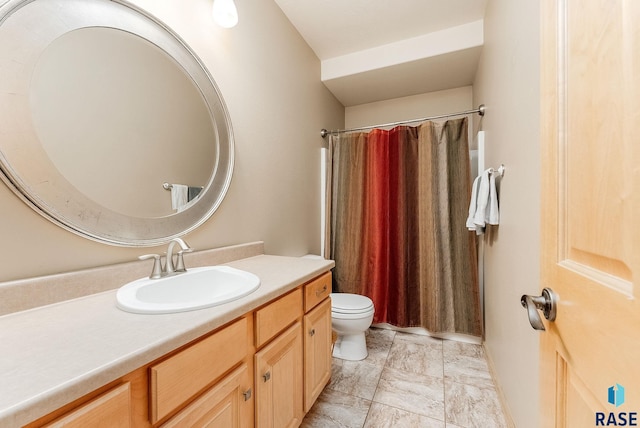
x: 389, y: 206
x: 376, y: 236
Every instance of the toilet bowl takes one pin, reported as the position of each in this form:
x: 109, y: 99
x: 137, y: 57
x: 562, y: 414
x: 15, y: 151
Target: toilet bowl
x: 351, y: 316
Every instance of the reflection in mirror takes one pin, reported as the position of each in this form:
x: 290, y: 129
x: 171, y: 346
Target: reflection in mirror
x: 118, y: 118
x: 103, y: 109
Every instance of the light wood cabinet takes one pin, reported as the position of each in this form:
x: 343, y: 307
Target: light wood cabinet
x: 317, y: 352
x: 278, y: 368
x: 110, y: 409
x: 278, y: 362
x: 294, y: 367
x: 265, y: 369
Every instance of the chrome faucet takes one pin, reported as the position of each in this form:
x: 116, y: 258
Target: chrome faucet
x: 169, y: 268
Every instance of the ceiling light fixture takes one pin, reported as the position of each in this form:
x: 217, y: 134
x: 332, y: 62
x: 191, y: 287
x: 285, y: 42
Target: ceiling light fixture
x: 225, y: 13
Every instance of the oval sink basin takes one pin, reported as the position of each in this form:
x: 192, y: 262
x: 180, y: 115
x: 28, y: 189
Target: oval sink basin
x: 197, y: 288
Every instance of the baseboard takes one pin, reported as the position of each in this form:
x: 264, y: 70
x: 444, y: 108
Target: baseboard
x: 503, y: 402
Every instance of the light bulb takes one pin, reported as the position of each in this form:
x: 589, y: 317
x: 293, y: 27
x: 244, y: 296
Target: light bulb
x: 225, y: 13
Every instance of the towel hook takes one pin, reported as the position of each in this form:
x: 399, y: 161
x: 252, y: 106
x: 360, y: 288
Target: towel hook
x: 497, y: 172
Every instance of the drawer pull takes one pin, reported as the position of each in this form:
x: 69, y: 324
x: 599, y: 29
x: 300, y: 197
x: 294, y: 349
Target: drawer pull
x: 266, y: 376
x: 312, y: 332
x: 319, y: 292
x: 247, y: 394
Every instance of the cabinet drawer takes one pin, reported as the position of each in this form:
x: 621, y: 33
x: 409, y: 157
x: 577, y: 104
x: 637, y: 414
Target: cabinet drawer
x: 316, y: 291
x: 113, y: 409
x: 177, y: 379
x: 278, y: 315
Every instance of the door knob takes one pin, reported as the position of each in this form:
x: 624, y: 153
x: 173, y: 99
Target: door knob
x: 546, y: 303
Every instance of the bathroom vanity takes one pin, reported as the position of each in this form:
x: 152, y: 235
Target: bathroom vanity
x: 259, y: 361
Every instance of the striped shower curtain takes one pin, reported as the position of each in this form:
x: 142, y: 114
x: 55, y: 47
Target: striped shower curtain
x: 397, y: 203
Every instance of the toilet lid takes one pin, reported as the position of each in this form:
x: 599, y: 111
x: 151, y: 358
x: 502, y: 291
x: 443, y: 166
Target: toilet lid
x: 346, y: 303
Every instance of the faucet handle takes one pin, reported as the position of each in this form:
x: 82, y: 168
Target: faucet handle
x: 156, y: 272
x: 180, y: 265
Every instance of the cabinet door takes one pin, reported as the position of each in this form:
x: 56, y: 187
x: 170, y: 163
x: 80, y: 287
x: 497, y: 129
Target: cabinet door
x: 113, y: 409
x: 228, y: 404
x: 317, y: 352
x: 279, y: 381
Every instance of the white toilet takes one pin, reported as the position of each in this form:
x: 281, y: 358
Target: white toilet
x: 351, y: 316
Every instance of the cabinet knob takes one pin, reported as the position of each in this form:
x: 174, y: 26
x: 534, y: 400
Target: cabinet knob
x: 247, y: 394
x: 319, y: 292
x: 312, y: 332
x: 266, y: 376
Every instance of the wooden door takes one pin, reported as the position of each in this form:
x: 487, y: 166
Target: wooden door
x: 590, y: 356
x: 317, y: 352
x: 278, y: 369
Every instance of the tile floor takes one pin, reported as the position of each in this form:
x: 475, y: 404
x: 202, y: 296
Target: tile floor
x: 409, y: 381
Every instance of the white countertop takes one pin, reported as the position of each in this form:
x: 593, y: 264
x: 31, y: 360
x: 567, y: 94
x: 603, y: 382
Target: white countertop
x: 54, y: 354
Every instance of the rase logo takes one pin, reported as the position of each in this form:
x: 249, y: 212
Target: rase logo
x: 615, y: 396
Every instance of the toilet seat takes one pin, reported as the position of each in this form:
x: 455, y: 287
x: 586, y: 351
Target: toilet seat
x: 350, y: 304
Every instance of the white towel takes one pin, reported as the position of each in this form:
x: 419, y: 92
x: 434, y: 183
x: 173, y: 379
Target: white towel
x: 483, y: 207
x: 473, y: 203
x: 479, y: 218
x: 179, y: 196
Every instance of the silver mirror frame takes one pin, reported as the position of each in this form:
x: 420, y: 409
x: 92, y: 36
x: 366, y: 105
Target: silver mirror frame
x: 27, y: 27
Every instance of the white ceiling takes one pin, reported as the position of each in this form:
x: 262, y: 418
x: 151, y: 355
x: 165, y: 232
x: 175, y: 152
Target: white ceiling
x: 373, y: 50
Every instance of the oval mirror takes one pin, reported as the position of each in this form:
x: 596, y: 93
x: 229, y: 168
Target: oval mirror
x: 110, y: 126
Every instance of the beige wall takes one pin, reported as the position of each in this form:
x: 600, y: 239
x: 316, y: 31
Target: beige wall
x: 270, y: 80
x: 508, y: 83
x: 413, y: 107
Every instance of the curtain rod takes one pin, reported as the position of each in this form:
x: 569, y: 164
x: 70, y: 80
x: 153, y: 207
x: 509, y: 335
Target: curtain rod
x: 480, y: 110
